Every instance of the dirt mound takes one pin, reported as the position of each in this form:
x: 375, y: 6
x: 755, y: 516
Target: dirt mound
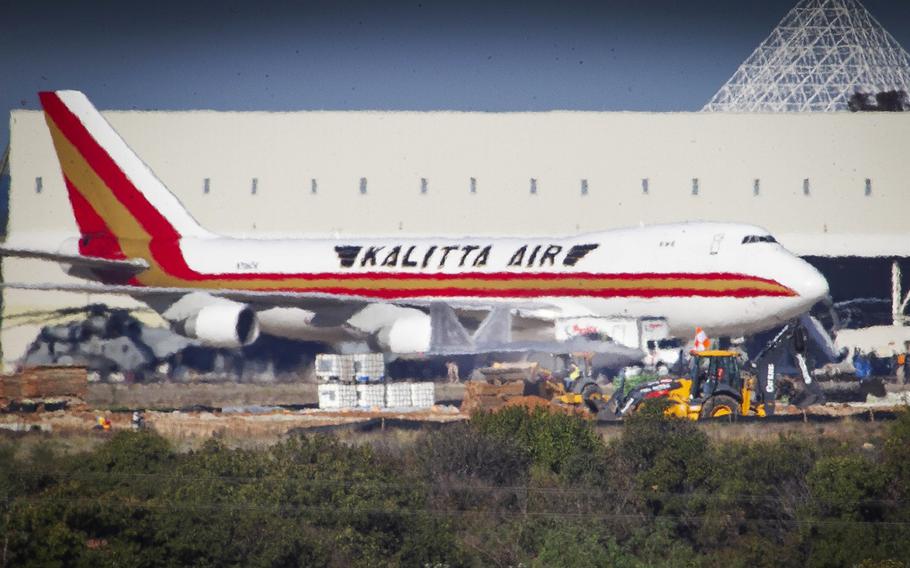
x: 534, y: 402
x: 480, y: 395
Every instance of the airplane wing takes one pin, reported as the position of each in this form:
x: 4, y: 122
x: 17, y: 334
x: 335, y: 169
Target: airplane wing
x: 127, y: 267
x: 312, y: 300
x: 276, y: 297
x: 448, y: 336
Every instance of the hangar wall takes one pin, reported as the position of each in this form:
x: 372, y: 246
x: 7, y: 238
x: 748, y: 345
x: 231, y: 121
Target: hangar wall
x: 824, y: 183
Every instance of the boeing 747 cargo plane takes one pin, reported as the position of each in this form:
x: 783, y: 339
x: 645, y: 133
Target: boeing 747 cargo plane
x: 403, y: 294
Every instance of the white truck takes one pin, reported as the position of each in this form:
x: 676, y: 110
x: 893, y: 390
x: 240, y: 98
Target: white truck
x: 651, y: 335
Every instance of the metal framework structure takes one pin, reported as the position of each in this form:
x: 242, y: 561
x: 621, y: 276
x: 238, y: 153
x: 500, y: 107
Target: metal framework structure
x: 820, y: 54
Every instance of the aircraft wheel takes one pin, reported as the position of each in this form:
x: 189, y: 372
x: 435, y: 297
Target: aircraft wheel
x: 720, y: 406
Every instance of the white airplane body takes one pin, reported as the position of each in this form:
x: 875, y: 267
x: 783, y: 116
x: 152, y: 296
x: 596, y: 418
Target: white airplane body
x: 137, y: 239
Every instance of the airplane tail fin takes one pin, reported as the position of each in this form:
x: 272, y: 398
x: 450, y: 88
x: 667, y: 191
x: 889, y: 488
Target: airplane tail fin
x: 115, y: 197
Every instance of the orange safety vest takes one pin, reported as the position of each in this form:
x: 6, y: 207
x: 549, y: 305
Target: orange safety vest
x: 702, y: 341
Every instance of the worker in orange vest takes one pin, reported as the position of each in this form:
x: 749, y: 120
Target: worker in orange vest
x: 902, y: 364
x: 702, y: 341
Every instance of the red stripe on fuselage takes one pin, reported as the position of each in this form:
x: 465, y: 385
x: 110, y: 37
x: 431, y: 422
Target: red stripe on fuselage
x: 454, y: 292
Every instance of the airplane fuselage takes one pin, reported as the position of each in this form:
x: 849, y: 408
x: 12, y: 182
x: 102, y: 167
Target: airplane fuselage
x: 726, y: 278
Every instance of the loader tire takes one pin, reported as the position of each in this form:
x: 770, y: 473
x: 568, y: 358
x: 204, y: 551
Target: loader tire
x: 586, y: 395
x: 720, y: 406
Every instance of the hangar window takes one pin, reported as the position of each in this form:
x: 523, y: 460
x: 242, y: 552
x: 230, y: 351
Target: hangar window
x: 756, y: 187
x: 806, y: 186
x: 423, y: 185
x: 748, y: 239
x: 644, y: 186
x: 473, y: 185
x: 254, y: 186
x: 584, y: 187
x: 363, y: 186
x: 206, y: 185
x: 694, y: 186
x: 533, y: 186
x: 39, y: 184
x: 868, y: 186
x: 314, y: 187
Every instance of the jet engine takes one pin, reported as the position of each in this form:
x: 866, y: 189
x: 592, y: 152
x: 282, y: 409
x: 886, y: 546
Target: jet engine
x: 223, y: 325
x: 410, y: 334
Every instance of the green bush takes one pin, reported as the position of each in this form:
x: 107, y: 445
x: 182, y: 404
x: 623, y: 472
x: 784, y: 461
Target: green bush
x: 844, y: 512
x: 514, y: 488
x: 847, y: 487
x: 897, y: 454
x: 572, y: 544
x: 463, y: 451
x: 308, y: 500
x: 664, y: 455
x: 551, y: 439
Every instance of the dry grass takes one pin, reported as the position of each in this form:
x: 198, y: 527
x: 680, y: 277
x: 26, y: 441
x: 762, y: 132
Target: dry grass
x: 218, y: 395
x: 26, y: 444
x: 847, y: 430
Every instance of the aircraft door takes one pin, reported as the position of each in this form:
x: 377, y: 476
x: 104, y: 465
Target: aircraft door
x: 715, y: 243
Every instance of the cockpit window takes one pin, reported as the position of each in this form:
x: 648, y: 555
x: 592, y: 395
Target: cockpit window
x: 758, y: 239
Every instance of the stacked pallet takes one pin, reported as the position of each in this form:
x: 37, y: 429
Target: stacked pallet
x: 361, y: 367
x: 375, y: 396
x: 481, y: 395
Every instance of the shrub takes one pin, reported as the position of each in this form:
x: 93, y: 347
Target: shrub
x: 664, y: 455
x: 580, y: 544
x: 846, y: 499
x: 897, y: 453
x: 463, y: 451
x: 550, y: 439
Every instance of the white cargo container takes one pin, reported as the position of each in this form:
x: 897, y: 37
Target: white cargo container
x: 361, y: 367
x: 368, y: 367
x: 371, y: 396
x: 423, y: 395
x: 398, y: 395
x: 331, y: 367
x: 336, y: 395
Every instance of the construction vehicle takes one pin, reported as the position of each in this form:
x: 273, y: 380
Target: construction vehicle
x: 717, y: 383
x: 715, y: 386
x: 582, y: 391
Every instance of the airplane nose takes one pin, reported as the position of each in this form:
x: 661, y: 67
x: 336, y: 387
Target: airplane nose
x: 811, y: 285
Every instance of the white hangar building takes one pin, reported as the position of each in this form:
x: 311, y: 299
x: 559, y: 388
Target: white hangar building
x: 827, y: 184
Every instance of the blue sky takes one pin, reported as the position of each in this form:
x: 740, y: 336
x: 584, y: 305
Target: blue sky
x: 491, y: 56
